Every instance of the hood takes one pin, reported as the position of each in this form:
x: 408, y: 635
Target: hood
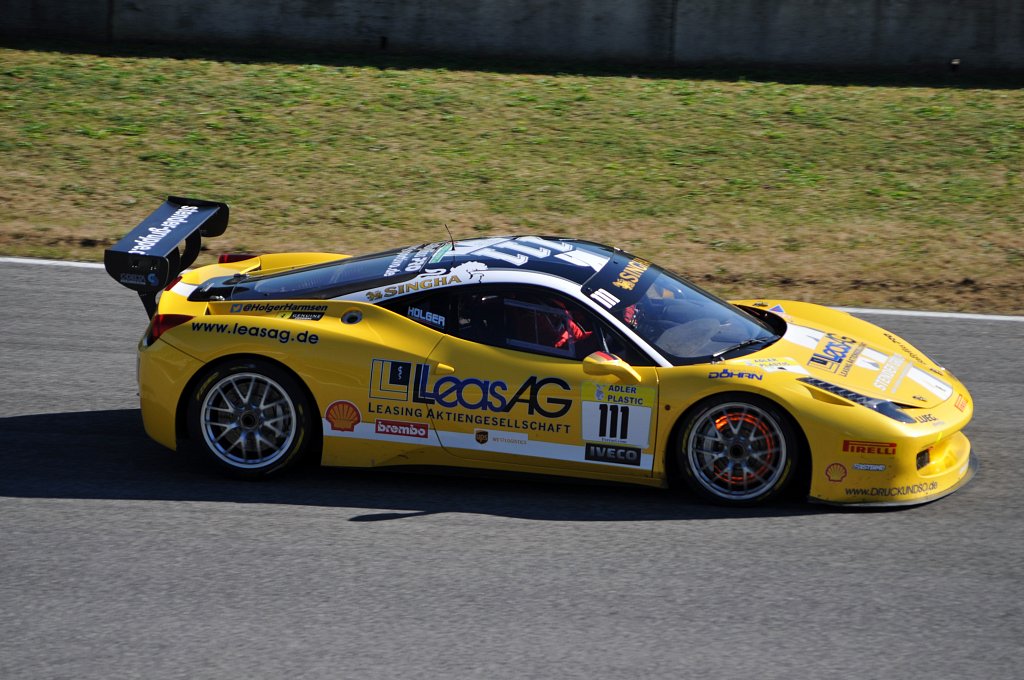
x: 856, y: 355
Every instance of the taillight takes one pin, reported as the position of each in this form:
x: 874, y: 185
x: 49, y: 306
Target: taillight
x: 164, y: 322
x: 172, y: 283
x: 228, y: 258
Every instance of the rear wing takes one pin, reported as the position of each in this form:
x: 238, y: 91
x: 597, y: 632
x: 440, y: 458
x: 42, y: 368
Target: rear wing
x: 148, y: 258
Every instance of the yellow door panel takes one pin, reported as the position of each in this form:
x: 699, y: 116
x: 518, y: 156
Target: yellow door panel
x: 517, y: 408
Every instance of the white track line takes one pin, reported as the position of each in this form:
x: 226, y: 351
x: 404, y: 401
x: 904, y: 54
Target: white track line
x: 936, y: 315
x: 851, y: 310
x: 57, y: 263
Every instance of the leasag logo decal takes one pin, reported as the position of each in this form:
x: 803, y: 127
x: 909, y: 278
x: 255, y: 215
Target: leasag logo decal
x: 404, y: 381
x: 831, y: 352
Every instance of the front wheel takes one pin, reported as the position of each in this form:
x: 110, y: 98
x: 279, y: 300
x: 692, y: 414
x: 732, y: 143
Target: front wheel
x: 737, y: 450
x: 249, y: 418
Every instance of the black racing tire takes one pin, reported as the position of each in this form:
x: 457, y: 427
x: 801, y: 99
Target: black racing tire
x: 737, y: 449
x: 249, y: 418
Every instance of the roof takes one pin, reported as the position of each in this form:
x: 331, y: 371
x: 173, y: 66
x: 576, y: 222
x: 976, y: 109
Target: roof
x: 445, y: 261
x: 570, y: 259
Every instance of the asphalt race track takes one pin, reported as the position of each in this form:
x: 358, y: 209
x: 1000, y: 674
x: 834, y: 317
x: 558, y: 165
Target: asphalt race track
x: 118, y: 559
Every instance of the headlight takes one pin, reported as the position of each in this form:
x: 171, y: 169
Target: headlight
x: 883, y: 406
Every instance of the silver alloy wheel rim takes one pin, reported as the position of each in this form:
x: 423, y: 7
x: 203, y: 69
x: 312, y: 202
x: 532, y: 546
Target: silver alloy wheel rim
x: 248, y: 420
x: 736, y: 451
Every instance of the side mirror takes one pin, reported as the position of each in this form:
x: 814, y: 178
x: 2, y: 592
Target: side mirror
x: 602, y: 363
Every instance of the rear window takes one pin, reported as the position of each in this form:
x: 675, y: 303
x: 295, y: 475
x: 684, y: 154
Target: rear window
x: 323, y: 281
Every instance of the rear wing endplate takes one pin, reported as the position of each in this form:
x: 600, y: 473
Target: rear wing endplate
x: 148, y: 258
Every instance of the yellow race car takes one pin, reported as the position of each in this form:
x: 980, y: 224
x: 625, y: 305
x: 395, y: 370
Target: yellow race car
x: 529, y: 354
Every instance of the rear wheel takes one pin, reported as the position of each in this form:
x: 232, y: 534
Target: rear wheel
x: 249, y: 418
x: 737, y: 450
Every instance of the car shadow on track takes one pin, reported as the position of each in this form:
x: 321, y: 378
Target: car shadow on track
x: 107, y: 455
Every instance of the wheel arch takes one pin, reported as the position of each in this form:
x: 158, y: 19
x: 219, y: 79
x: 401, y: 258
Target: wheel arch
x: 181, y: 411
x: 802, y: 481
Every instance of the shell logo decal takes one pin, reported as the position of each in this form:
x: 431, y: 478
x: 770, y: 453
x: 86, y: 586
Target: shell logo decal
x: 343, y: 416
x: 836, y: 472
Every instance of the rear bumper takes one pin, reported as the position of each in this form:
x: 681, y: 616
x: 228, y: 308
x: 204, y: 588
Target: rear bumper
x: 163, y: 374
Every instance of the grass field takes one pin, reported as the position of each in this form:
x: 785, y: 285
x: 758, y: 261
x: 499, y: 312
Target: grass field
x: 884, y: 194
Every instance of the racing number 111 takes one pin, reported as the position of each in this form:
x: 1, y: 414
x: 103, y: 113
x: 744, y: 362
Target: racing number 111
x: 614, y: 421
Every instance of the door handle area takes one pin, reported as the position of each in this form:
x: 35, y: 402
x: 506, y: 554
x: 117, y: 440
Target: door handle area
x: 444, y: 369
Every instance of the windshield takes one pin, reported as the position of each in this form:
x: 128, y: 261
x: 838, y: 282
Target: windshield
x: 686, y: 324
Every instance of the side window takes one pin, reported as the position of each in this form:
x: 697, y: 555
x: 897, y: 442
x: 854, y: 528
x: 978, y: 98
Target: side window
x: 528, y: 320
x: 622, y: 348
x: 432, y: 310
x: 544, y: 326
x: 520, y: 318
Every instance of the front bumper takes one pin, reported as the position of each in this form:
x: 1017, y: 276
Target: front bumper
x: 951, y: 465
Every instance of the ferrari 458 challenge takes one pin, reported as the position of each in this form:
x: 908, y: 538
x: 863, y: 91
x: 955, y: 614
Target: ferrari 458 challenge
x: 531, y: 354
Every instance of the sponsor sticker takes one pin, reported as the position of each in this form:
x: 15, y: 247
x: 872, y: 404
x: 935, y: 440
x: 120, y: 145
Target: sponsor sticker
x: 961, y: 402
x: 343, y: 416
x: 143, y: 244
x: 132, y: 279
x: 441, y: 252
x: 851, y: 360
x: 517, y: 251
x: 301, y: 316
x: 611, y: 453
x: 402, y: 428
x: 870, y: 467
x: 831, y: 351
x: 403, y: 381
x: 939, y: 388
x: 618, y: 413
x: 836, y: 472
x: 245, y: 307
x: 894, y: 491
x: 871, y: 359
x: 395, y: 410
x: 413, y: 258
x: 741, y: 375
x: 501, y: 437
x: 390, y: 380
x: 605, y: 298
x: 631, y: 273
x: 399, y: 260
x: 878, y: 448
x: 282, y: 336
x: 888, y: 372
x: 905, y: 348
x: 426, y: 317
x: 773, y: 364
x: 411, y: 286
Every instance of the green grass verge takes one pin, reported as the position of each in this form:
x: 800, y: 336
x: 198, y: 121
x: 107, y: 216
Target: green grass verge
x: 893, y: 194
